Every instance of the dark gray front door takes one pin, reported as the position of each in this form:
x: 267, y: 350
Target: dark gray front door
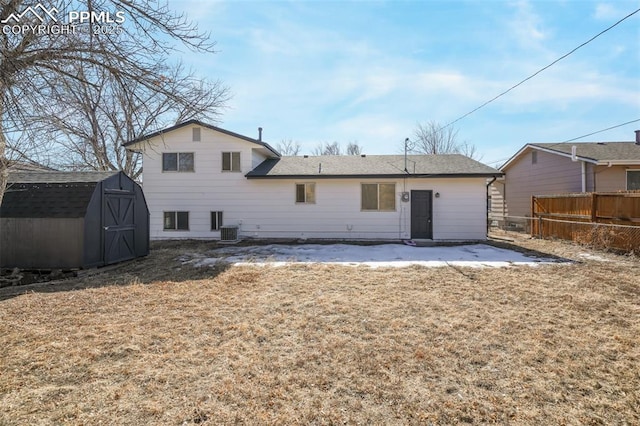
x: 421, y: 215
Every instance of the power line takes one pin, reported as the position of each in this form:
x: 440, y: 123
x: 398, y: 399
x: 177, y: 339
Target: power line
x: 540, y: 70
x: 575, y: 139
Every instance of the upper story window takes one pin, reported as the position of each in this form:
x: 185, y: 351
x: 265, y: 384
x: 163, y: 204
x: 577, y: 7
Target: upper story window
x: 379, y: 196
x: 195, y: 134
x: 306, y: 193
x: 230, y: 161
x: 633, y: 179
x: 177, y: 161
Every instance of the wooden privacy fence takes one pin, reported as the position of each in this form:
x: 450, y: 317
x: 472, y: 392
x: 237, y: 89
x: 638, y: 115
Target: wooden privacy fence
x: 605, y: 220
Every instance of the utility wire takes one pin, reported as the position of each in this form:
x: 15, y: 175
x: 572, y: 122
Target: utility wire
x: 575, y: 139
x: 539, y: 71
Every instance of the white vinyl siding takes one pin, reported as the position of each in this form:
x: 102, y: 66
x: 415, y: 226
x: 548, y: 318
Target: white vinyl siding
x: 262, y: 208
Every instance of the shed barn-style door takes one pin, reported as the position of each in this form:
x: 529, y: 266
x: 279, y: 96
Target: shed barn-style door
x: 119, y: 227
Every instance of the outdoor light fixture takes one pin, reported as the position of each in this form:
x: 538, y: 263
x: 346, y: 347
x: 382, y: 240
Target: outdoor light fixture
x: 437, y: 195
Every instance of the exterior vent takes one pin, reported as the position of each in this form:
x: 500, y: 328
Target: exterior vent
x: 229, y: 234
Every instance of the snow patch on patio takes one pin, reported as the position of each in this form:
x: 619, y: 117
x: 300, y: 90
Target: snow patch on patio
x: 374, y: 256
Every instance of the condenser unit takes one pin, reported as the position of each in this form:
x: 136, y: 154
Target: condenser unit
x: 229, y: 234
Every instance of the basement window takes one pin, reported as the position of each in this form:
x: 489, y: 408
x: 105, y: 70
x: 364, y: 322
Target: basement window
x: 378, y: 197
x: 176, y: 221
x: 305, y: 193
x: 230, y: 161
x: 216, y: 221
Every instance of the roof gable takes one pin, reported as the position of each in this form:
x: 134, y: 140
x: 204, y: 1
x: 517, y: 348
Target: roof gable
x: 602, y: 153
x: 354, y: 166
x: 159, y: 133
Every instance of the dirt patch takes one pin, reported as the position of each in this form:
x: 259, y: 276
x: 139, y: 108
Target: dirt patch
x: 153, y: 342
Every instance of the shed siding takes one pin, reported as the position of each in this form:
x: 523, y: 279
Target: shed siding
x: 551, y: 174
x: 43, y: 243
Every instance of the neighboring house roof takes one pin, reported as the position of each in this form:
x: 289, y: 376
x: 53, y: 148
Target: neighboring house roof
x: 50, y: 194
x: 200, y: 123
x: 600, y: 153
x: 26, y: 166
x: 360, y: 166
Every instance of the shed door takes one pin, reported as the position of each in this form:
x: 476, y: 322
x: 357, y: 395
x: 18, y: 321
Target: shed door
x: 421, y: 215
x: 119, y: 227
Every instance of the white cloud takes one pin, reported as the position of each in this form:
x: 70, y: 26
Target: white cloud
x: 606, y: 11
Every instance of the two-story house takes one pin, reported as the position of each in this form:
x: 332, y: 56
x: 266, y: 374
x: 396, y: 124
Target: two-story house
x: 198, y: 178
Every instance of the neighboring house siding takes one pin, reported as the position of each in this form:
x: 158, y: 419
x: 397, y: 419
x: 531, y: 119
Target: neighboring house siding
x: 551, y: 174
x: 611, y: 179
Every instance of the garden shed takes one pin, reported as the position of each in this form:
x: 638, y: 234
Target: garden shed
x: 69, y: 220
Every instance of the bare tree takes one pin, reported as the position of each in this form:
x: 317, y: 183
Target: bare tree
x: 354, y: 149
x: 432, y: 138
x: 37, y: 59
x: 327, y: 149
x: 91, y: 121
x: 288, y: 147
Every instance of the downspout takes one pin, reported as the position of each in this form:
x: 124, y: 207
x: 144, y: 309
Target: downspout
x: 487, y: 202
x: 584, y: 176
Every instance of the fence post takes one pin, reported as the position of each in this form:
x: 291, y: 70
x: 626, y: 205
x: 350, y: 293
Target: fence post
x: 540, y: 227
x: 594, y: 202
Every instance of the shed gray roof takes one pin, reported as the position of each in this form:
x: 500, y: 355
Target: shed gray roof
x: 59, y: 177
x: 356, y: 166
x: 50, y: 194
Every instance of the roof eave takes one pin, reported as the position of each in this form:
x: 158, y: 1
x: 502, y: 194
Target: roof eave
x: 377, y: 176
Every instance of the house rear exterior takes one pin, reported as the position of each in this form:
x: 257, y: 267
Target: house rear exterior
x: 559, y: 168
x: 199, y: 178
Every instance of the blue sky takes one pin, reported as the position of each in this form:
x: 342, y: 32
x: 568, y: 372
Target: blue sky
x: 369, y: 71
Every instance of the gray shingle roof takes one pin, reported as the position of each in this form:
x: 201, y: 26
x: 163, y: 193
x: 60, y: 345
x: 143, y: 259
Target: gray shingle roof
x: 598, y: 151
x: 356, y: 166
x: 50, y: 194
x: 58, y: 177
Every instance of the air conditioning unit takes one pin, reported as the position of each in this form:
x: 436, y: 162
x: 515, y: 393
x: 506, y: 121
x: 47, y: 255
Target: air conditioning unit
x: 229, y: 234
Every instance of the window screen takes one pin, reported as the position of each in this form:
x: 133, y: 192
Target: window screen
x: 379, y: 196
x: 169, y: 162
x: 633, y: 179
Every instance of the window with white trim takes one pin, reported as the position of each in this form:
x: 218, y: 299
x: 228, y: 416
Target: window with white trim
x: 216, y: 221
x: 633, y: 180
x: 230, y: 161
x: 178, y: 161
x: 305, y: 193
x: 378, y: 197
x: 176, y: 221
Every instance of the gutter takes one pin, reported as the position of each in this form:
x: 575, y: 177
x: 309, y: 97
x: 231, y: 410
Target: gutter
x: 487, y: 201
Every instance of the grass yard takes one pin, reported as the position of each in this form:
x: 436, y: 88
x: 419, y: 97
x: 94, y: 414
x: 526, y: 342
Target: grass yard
x: 156, y: 342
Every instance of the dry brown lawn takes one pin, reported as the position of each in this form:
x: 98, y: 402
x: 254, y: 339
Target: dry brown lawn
x: 154, y: 342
